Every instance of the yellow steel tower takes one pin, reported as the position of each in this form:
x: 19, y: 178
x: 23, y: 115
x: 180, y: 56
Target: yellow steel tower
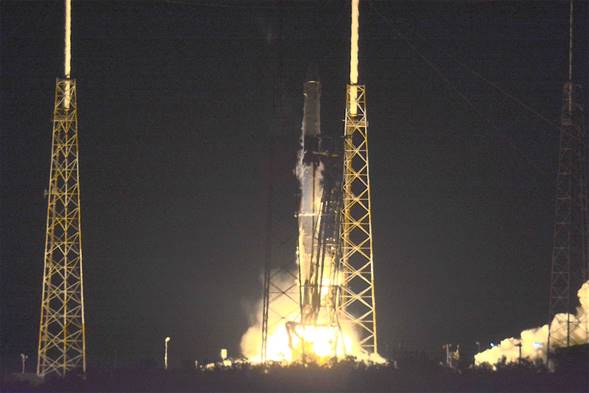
x: 357, y: 306
x: 62, y: 339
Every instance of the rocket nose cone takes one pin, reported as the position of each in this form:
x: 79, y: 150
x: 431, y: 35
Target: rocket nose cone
x: 312, y: 73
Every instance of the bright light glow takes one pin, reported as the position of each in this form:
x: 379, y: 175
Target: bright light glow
x: 68, y: 38
x: 354, y: 42
x: 353, y: 92
x: 286, y: 344
x: 320, y: 344
x: 67, y: 52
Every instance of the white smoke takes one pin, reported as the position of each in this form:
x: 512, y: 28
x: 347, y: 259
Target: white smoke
x: 282, y: 309
x: 533, y: 341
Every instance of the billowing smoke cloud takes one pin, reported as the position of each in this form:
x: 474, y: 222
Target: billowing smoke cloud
x: 533, y: 341
x: 283, y: 309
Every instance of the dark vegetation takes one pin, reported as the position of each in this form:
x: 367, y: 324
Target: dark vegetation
x: 412, y: 375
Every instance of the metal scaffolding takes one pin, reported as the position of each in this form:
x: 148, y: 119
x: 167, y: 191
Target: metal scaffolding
x: 62, y: 338
x: 357, y: 305
x: 570, y: 265
x: 357, y: 300
x: 569, y: 254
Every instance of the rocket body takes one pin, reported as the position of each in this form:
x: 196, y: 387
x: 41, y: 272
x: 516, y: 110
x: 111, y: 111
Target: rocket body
x: 311, y: 131
x: 310, y: 175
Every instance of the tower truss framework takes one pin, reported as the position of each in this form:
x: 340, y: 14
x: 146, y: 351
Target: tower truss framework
x: 281, y: 300
x: 569, y: 267
x: 62, y: 338
x: 357, y: 306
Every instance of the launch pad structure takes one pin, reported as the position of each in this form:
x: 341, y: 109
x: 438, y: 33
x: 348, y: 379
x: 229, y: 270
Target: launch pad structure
x: 357, y: 305
x: 333, y: 283
x: 334, y: 287
x: 335, y: 257
x: 357, y: 300
x: 62, y: 335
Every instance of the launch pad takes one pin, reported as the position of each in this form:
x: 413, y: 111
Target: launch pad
x: 332, y: 284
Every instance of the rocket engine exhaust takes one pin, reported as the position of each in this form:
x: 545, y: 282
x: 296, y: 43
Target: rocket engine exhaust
x: 316, y: 334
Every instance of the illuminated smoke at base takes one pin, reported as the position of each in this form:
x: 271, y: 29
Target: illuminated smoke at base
x: 533, y: 341
x: 319, y: 340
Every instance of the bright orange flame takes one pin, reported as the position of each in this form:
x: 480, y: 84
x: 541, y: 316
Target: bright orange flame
x: 317, y: 344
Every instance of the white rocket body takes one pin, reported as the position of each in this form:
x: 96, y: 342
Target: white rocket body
x: 310, y: 175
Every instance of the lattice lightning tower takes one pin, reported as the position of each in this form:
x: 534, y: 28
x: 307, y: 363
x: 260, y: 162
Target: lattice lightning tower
x: 281, y: 301
x: 569, y: 255
x: 62, y: 339
x: 357, y: 304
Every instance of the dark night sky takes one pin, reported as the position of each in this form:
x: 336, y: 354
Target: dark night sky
x: 175, y: 101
